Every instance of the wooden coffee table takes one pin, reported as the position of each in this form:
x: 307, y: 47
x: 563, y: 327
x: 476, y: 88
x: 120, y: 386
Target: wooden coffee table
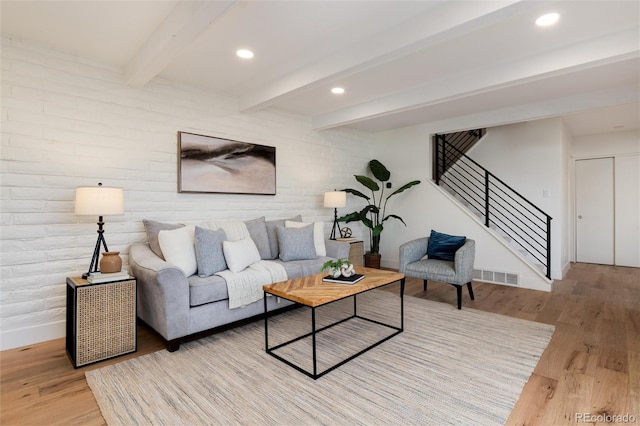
x: 311, y: 291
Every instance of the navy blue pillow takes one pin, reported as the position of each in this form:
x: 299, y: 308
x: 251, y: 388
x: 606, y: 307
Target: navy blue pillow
x: 443, y: 246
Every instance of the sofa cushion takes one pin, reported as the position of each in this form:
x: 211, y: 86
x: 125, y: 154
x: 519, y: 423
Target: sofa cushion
x: 214, y: 288
x: 318, y: 234
x: 296, y: 243
x: 443, y: 246
x: 438, y: 270
x: 303, y: 268
x: 240, y: 254
x: 152, y: 229
x: 273, y: 236
x: 258, y: 232
x: 203, y: 290
x: 209, y: 254
x: 178, y: 248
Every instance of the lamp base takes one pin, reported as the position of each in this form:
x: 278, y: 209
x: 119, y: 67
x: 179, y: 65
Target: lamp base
x: 335, y: 225
x: 93, y: 267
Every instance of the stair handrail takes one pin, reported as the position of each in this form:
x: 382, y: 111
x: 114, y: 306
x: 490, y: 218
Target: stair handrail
x: 487, y: 175
x: 496, y: 178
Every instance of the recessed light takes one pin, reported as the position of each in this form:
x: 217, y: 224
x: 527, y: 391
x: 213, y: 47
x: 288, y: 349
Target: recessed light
x: 244, y: 53
x: 337, y: 90
x: 547, y: 20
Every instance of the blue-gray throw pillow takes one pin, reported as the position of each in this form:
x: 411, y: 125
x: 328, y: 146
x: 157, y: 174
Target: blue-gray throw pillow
x: 443, y: 246
x: 273, y: 235
x: 296, y: 243
x: 209, y: 254
x: 258, y: 233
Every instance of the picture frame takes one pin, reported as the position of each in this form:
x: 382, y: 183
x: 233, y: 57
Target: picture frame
x: 208, y: 164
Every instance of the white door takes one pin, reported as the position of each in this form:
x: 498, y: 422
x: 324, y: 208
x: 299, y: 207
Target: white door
x: 594, y: 210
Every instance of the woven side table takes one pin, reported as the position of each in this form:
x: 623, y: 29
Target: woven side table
x: 101, y: 320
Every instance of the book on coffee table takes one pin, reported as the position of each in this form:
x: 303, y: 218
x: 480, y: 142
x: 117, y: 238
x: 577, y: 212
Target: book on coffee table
x: 344, y: 280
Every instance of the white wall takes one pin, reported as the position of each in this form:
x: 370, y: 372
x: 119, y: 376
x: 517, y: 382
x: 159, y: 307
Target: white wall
x: 606, y: 144
x: 624, y: 147
x: 407, y: 154
x: 69, y: 122
x: 533, y: 157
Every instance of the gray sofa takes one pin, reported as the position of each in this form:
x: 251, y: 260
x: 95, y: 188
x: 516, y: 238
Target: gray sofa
x: 180, y: 307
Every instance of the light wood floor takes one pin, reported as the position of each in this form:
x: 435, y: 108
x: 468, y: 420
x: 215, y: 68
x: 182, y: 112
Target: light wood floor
x: 592, y: 364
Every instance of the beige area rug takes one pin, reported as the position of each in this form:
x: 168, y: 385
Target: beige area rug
x: 448, y: 367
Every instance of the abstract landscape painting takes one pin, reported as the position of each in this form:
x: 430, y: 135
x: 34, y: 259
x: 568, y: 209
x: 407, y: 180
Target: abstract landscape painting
x: 208, y: 164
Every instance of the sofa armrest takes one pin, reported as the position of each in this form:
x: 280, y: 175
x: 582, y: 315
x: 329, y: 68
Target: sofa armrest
x: 412, y: 251
x: 463, y: 261
x: 163, y: 292
x: 337, y: 249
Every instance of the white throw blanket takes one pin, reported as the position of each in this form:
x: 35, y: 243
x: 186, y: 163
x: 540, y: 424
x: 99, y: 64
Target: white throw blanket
x: 245, y: 287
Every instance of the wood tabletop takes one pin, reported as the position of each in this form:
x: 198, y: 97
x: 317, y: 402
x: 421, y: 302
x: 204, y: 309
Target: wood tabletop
x: 312, y: 291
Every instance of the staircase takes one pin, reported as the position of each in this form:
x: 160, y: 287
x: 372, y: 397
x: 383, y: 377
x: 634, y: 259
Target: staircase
x: 510, y: 216
x: 461, y: 141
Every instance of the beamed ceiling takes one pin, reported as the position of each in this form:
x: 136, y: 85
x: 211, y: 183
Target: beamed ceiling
x: 450, y: 64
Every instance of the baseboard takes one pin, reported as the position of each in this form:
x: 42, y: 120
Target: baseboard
x: 565, y: 269
x: 31, y: 335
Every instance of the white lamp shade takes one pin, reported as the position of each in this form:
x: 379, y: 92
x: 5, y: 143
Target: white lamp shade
x: 335, y: 199
x: 99, y: 201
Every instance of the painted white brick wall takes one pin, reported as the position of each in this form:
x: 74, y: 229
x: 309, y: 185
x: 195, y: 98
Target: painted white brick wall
x: 69, y: 122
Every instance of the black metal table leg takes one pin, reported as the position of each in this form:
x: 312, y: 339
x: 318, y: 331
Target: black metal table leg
x: 313, y: 338
x: 266, y: 328
x: 402, y: 304
x: 314, y: 331
x: 355, y: 305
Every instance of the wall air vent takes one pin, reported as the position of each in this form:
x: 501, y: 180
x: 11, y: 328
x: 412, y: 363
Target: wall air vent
x: 496, y: 277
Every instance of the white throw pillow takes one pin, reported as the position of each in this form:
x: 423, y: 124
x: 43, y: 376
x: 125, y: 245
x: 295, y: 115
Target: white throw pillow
x: 318, y: 234
x: 178, y: 248
x: 235, y: 229
x: 240, y: 254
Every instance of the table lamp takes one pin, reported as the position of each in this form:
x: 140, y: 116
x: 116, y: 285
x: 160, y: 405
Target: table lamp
x: 98, y: 201
x: 335, y: 199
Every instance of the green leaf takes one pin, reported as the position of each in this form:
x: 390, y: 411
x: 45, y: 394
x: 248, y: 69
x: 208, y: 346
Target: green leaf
x: 404, y: 187
x: 357, y: 216
x: 377, y: 230
x: 356, y: 193
x: 334, y: 264
x: 368, y: 182
x: 351, y: 217
x: 379, y: 171
x: 394, y: 217
x: 367, y: 222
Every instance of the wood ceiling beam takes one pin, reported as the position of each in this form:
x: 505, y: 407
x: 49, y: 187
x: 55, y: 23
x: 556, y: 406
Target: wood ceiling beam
x: 448, y: 20
x: 185, y: 22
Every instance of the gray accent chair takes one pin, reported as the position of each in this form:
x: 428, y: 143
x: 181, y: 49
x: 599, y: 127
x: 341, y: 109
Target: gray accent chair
x: 458, y: 272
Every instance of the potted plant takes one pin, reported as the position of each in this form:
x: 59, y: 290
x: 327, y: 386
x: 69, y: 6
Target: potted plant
x: 338, y: 267
x: 373, y: 215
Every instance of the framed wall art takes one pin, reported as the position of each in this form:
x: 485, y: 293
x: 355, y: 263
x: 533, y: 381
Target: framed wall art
x: 209, y: 164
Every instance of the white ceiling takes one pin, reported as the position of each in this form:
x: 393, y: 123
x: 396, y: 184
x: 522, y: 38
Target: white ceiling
x: 450, y: 64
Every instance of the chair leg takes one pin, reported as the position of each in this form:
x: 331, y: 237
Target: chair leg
x: 459, y: 291
x: 424, y: 285
x: 470, y: 290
